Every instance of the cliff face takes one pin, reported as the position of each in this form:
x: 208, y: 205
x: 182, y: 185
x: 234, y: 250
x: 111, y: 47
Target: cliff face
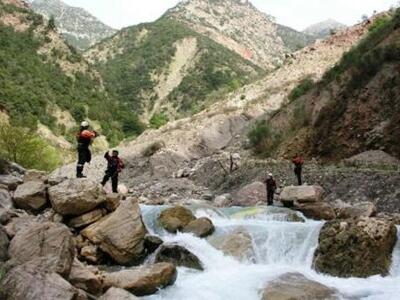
x: 237, y: 25
x: 78, y: 27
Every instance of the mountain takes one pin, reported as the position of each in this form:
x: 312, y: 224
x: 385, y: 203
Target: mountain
x: 47, y: 86
x: 165, y: 70
x: 355, y: 106
x: 323, y: 29
x: 293, y: 39
x: 235, y: 24
x: 79, y: 27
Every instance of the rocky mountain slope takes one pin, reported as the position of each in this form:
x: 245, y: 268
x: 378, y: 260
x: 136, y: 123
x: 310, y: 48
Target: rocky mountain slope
x: 323, y: 29
x: 165, y: 70
x: 235, y: 24
x: 47, y: 86
x: 355, y: 107
x: 294, y: 40
x: 78, y: 27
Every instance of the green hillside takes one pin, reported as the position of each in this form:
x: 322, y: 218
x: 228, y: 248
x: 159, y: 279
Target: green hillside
x: 138, y: 56
x: 31, y: 81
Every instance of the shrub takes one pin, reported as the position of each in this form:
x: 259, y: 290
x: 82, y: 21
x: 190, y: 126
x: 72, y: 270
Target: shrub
x: 27, y: 149
x: 153, y: 148
x: 380, y: 22
x: 158, y: 120
x: 304, y: 86
x: 263, y: 139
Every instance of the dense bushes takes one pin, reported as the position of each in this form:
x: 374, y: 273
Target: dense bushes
x: 264, y: 139
x: 27, y: 148
x: 158, y: 120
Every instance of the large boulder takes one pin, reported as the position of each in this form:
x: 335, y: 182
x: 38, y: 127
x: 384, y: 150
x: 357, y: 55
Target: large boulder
x: 19, y: 223
x: 31, y: 195
x: 316, y: 210
x: 86, y: 219
x: 201, y: 227
x: 10, y: 182
x: 82, y: 278
x: 293, y: 286
x: 302, y: 194
x: 177, y: 255
x: 152, y: 242
x: 27, y: 282
x: 362, y: 209
x: 355, y: 247
x: 120, y: 234
x: 76, y: 196
x: 35, y: 175
x: 5, y: 199
x: 52, y: 241
x: 143, y: 280
x: 118, y: 294
x: 4, y: 243
x: 251, y: 195
x: 176, y: 218
x: 238, y: 244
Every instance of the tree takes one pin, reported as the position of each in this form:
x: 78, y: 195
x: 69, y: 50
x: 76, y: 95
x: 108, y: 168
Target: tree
x: 52, y: 23
x: 26, y: 148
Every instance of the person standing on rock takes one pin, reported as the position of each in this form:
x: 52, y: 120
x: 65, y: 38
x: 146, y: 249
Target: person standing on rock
x: 271, y: 186
x: 298, y: 162
x: 114, y: 167
x: 84, y: 138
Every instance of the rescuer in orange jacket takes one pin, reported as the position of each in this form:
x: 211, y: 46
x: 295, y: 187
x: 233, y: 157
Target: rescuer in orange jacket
x: 298, y: 162
x: 84, y: 138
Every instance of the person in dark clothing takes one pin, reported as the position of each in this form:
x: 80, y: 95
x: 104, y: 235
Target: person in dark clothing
x: 84, y: 138
x: 298, y: 162
x: 114, y: 167
x: 271, y: 186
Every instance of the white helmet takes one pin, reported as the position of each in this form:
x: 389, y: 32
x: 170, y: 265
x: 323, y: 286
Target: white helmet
x: 85, y: 124
x: 270, y: 175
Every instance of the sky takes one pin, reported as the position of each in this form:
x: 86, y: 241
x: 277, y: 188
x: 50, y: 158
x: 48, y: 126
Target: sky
x: 297, y: 14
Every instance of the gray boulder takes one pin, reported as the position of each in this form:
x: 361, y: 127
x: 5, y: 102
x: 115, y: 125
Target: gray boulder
x: 5, y: 199
x: 10, y: 182
x: 52, y: 241
x: 302, y: 194
x: 120, y: 234
x: 175, y: 218
x: 201, y: 227
x: 75, y: 197
x: 118, y: 294
x: 251, y: 195
x: 177, y: 255
x: 82, y: 278
x: 4, y: 243
x: 31, y: 195
x: 143, y: 280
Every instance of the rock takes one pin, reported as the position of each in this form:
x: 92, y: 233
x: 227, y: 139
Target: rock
x: 10, y: 181
x: 4, y: 242
x: 120, y: 234
x: 82, y: 278
x: 176, y: 218
x: 5, y: 199
x: 250, y: 195
x: 361, y: 209
x: 91, y: 254
x: 355, y: 247
x: 373, y: 158
x: 302, y: 194
x: 75, y: 197
x: 26, y: 282
x: 295, y: 286
x: 177, y: 255
x: 35, y: 175
x: 18, y: 224
x: 317, y: 210
x: 31, y: 196
x: 112, y: 201
x: 54, y: 180
x: 86, y: 219
x: 143, y: 280
x: 118, y: 294
x: 224, y: 200
x: 152, y: 242
x: 238, y: 244
x: 201, y: 227
x: 50, y: 240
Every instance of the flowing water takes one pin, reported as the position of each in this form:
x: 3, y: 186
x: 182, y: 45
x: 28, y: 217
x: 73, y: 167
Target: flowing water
x: 280, y: 247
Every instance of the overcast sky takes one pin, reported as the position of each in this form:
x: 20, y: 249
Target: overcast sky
x: 297, y: 14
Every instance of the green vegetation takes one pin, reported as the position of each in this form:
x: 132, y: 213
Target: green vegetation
x: 31, y: 83
x: 158, y: 120
x: 27, y: 149
x: 304, y: 86
x: 148, y: 50
x: 264, y: 139
x: 294, y: 40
